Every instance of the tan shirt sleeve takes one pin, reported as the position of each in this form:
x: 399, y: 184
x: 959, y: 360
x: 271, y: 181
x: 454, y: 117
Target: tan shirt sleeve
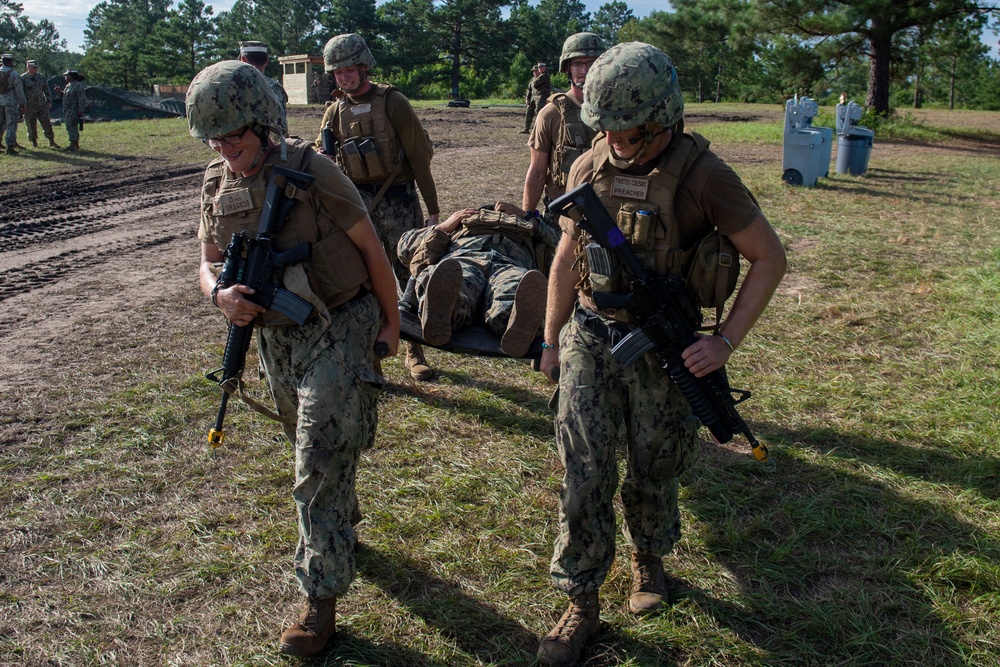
x: 543, y: 138
x: 411, y: 135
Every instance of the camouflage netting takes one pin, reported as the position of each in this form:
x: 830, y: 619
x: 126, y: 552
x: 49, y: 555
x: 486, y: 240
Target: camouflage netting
x: 111, y: 103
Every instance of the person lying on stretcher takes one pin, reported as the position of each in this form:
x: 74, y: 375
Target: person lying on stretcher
x: 481, y: 266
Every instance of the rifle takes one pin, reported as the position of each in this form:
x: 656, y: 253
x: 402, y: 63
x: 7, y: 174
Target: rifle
x: 254, y: 262
x: 667, y: 319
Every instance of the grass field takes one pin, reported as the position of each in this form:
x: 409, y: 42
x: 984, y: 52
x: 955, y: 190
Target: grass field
x: 874, y: 539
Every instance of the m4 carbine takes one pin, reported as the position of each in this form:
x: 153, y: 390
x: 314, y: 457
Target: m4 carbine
x: 667, y: 319
x: 255, y: 262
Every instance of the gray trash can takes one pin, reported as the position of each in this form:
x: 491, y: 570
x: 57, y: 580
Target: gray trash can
x: 853, y: 152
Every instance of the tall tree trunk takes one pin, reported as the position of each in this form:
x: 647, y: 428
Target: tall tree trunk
x: 456, y: 64
x: 878, y: 70
x: 951, y: 84
x: 718, y: 84
x: 917, y: 96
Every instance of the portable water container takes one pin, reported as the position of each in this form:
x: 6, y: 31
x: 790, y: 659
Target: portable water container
x: 802, y: 149
x: 854, y: 143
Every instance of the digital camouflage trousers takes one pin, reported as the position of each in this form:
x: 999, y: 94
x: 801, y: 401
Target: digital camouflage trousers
x: 325, y: 387
x: 489, y: 281
x: 397, y: 212
x: 600, y: 400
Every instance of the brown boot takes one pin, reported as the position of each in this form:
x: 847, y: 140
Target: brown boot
x: 317, y: 623
x: 526, y: 315
x: 52, y: 143
x: 34, y: 143
x: 417, y: 364
x: 562, y: 646
x: 73, y: 146
x: 10, y: 151
x: 649, y: 589
x: 443, y: 290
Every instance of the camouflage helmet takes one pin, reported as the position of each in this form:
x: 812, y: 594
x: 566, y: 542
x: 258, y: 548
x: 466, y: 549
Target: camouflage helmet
x: 229, y: 95
x: 631, y: 84
x: 580, y: 45
x: 346, y: 51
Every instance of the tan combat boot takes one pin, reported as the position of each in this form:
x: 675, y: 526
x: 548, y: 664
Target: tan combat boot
x: 443, y: 290
x: 417, y: 364
x: 526, y: 315
x: 564, y: 643
x: 317, y: 623
x: 649, y: 588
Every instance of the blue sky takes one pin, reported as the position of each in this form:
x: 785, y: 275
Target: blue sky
x: 70, y: 16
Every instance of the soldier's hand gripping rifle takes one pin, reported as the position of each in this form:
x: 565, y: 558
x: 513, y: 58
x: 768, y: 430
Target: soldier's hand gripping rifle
x: 667, y: 323
x: 254, y: 262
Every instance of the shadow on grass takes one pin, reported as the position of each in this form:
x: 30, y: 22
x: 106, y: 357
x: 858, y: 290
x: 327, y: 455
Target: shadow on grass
x: 348, y: 649
x: 838, y: 564
x: 534, y: 420
x: 475, y: 627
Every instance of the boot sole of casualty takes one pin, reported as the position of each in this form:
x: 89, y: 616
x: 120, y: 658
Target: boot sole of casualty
x: 443, y: 289
x: 526, y: 315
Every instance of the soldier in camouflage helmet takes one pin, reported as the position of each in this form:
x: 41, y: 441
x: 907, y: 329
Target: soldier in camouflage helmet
x: 539, y: 89
x: 666, y: 190
x: 559, y: 135
x: 375, y: 136
x: 321, y: 374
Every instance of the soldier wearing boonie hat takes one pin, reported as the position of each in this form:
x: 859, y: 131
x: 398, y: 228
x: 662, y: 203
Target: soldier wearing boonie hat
x: 322, y: 370
x: 666, y: 191
x: 255, y: 53
x: 12, y: 101
x: 39, y: 102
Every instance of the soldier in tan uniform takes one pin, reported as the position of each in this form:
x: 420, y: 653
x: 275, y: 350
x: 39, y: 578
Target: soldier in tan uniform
x: 39, y: 102
x: 321, y: 374
x: 375, y: 136
x: 658, y: 183
x: 559, y: 136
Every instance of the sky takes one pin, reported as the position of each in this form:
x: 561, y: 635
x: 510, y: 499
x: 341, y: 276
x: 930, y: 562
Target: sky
x: 70, y: 16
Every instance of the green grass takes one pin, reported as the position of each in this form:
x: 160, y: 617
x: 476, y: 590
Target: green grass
x: 873, y: 540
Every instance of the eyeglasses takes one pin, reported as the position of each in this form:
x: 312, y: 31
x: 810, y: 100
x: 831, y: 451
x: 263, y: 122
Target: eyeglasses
x: 230, y: 140
x: 581, y: 65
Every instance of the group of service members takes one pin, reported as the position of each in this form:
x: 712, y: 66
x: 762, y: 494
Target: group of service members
x: 28, y: 95
x: 621, y: 119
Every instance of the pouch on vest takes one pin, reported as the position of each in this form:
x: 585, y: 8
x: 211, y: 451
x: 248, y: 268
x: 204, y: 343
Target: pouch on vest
x: 638, y: 221
x: 370, y: 156
x: 605, y: 271
x: 714, y: 268
x: 430, y: 251
x: 353, y: 164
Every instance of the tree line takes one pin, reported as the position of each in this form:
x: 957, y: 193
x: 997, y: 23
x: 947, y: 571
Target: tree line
x: 888, y: 53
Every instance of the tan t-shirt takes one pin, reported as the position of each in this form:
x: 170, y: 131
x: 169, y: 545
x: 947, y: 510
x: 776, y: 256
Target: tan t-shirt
x: 417, y: 160
x: 544, y: 137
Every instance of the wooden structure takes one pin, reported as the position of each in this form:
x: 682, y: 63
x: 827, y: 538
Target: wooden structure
x: 304, y: 79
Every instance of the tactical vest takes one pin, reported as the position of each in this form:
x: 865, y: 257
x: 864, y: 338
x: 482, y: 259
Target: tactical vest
x: 6, y: 84
x: 335, y: 271
x: 368, y: 148
x: 643, y: 207
x: 573, y: 141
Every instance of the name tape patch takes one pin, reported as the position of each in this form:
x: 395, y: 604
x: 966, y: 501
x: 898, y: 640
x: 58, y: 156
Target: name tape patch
x: 361, y: 108
x: 232, y: 202
x: 629, y: 187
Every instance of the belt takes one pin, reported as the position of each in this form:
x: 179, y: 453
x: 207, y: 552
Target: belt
x: 608, y: 331
x: 394, y: 190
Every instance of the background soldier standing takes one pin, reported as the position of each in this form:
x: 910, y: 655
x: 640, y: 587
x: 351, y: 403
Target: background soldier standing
x: 379, y: 142
x: 540, y: 88
x: 678, y: 189
x: 321, y: 374
x: 39, y: 101
x: 255, y: 53
x: 529, y: 102
x: 74, y: 102
x: 559, y: 136
x: 12, y: 102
